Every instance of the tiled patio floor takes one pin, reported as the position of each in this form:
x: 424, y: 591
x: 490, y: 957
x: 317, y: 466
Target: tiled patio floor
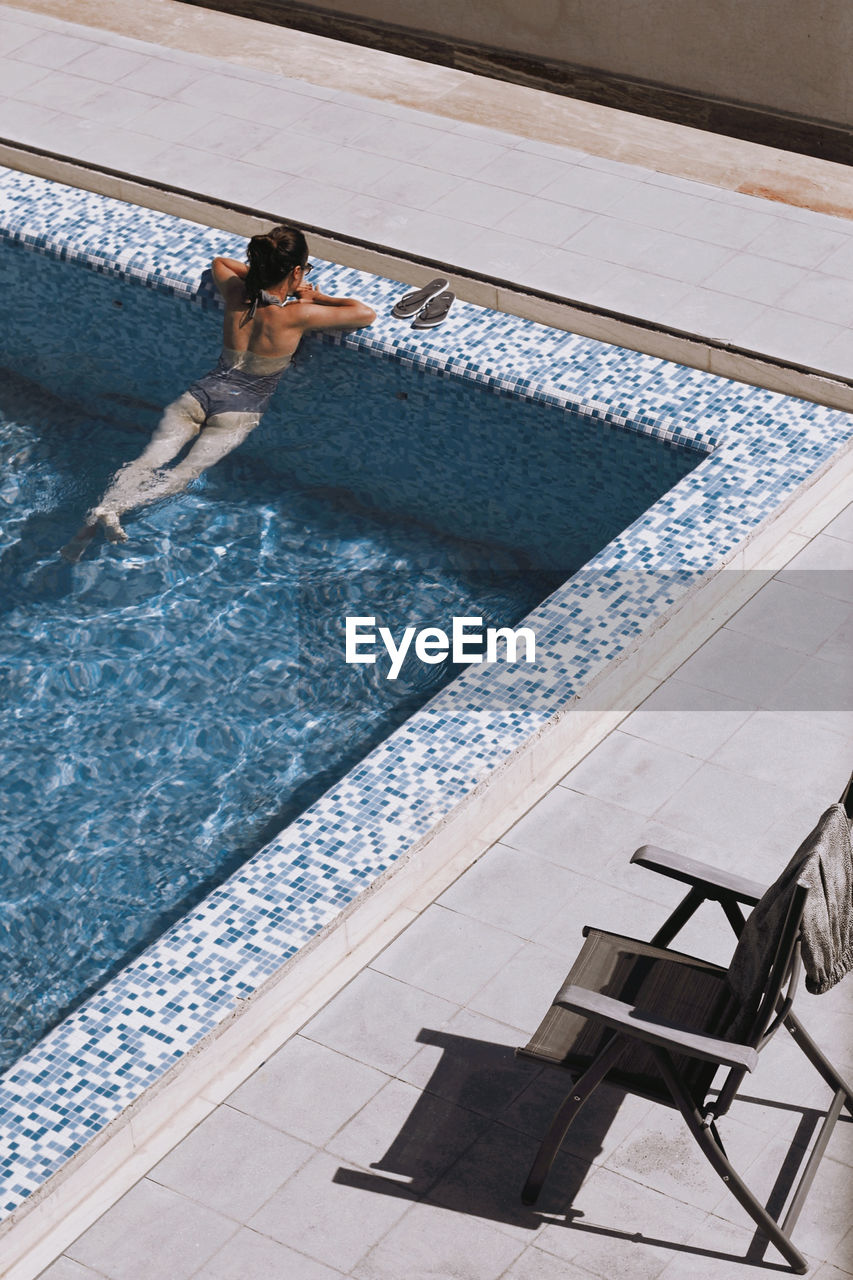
x: 390, y: 1138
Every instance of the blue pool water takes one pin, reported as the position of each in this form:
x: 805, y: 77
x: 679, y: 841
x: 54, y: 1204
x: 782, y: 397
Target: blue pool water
x: 170, y: 704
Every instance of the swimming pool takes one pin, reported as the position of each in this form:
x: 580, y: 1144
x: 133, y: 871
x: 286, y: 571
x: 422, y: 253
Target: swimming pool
x: 179, y: 990
x: 170, y: 705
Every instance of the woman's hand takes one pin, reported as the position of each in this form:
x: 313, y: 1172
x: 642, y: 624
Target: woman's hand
x: 305, y: 292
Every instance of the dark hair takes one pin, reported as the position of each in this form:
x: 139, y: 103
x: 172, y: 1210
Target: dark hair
x: 273, y: 256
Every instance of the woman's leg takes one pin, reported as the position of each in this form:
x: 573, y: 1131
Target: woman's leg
x: 137, y: 482
x: 222, y: 433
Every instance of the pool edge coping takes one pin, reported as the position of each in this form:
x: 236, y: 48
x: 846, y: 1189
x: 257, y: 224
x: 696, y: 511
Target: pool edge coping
x: 74, y: 1196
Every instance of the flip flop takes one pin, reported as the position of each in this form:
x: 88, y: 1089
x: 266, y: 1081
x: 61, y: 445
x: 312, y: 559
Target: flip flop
x: 411, y: 303
x: 435, y: 311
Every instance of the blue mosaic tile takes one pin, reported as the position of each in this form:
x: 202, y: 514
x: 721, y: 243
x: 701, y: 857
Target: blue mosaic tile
x: 756, y: 448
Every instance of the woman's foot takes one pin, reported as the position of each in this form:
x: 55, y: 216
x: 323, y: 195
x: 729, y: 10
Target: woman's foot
x: 110, y: 523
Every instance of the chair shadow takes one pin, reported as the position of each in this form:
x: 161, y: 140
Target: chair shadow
x: 510, y: 1103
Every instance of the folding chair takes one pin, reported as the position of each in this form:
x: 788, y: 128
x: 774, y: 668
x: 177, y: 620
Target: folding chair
x: 660, y: 1023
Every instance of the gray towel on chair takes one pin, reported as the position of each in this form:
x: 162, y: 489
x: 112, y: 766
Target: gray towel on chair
x: 824, y: 861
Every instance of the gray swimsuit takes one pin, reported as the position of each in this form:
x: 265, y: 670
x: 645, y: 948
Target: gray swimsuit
x: 241, y: 382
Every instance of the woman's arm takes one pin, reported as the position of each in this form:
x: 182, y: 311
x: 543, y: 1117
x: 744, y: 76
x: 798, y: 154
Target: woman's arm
x: 226, y: 271
x: 322, y: 311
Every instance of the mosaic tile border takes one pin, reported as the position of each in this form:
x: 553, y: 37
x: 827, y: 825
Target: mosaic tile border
x: 760, y: 447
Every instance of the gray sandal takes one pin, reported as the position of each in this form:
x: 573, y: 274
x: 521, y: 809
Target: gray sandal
x: 435, y: 311
x: 412, y: 302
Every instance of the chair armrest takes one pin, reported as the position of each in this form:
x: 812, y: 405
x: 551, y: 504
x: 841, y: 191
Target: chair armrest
x: 699, y: 874
x: 624, y: 1017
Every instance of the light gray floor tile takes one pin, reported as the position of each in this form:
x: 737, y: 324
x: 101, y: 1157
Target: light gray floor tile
x: 681, y: 258
x: 67, y: 1269
x: 26, y: 122
x: 415, y: 185
x: 334, y: 122
x: 304, y: 200
x: 842, y: 525
x: 661, y: 1153
x: 627, y: 243
x: 544, y: 221
x: 495, y: 253
x: 799, y: 244
x: 661, y: 208
x: 635, y: 774
x: 15, y: 77
x: 58, y: 91
x: 387, y: 1036
x: 535, y: 1264
x: 760, y: 279
x: 213, y: 89
x: 838, y: 648
x: 250, y: 1256
x: 171, y: 121
x: 116, y: 105
x: 576, y: 830
x: 447, y: 954
x: 150, y: 1234
x: 740, y: 666
x: 325, y: 1212
x: 226, y: 136
x: 160, y: 76
x: 513, y: 889
x: 281, y: 107
x: 715, y: 1244
x: 825, y: 565
x: 726, y: 807
x: 787, y: 336
x: 640, y: 293
x: 121, y: 149
x: 840, y: 261
x: 232, y: 1163
x: 712, y: 314
x: 727, y: 224
x: 405, y: 1134
x: 53, y: 49
x: 191, y: 168
x: 307, y: 1090
x: 821, y: 296
x: 619, y: 1228
x: 476, y: 202
x: 838, y: 353
x: 687, y: 718
x: 430, y: 1242
x: 13, y: 35
x: 454, y: 153
x: 824, y: 690
x: 107, y: 63
x: 471, y: 1063
x: 792, y: 611
x: 570, y: 275
x: 784, y: 748
x: 523, y: 172
x: 399, y: 139
x: 585, y: 188
x: 521, y: 993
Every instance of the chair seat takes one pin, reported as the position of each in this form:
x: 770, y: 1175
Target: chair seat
x: 666, y: 986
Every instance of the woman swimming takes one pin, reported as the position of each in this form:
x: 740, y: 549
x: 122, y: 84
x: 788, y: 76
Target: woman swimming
x: 262, y: 330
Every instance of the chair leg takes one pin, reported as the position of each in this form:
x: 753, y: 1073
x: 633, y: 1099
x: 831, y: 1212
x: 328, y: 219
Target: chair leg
x: 820, y: 1063
x: 713, y: 1152
x: 568, y: 1109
